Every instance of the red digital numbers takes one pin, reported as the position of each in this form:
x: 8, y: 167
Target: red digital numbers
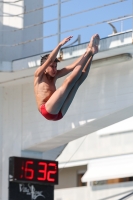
x: 29, y: 173
x: 51, y: 172
x: 38, y: 171
x: 45, y: 173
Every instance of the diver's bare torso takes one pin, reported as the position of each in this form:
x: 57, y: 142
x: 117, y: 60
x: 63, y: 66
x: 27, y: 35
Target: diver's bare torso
x: 44, y: 87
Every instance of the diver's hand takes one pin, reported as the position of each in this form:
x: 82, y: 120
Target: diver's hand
x: 64, y: 41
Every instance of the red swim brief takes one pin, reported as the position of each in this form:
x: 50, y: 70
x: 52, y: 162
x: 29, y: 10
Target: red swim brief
x: 49, y: 116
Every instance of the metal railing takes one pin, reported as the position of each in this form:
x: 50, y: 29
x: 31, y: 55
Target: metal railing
x: 59, y: 33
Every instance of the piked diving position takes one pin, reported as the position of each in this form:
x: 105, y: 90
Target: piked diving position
x: 53, y: 104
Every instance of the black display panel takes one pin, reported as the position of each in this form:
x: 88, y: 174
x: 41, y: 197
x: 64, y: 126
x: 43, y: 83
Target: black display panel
x: 27, y: 191
x: 33, y: 170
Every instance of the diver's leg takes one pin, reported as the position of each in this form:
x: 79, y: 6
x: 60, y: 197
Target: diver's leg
x: 72, y: 93
x: 57, y: 100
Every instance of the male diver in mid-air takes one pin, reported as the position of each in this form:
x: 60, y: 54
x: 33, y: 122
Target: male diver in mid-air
x: 53, y: 104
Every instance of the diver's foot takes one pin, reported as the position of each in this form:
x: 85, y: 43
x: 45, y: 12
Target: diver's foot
x: 93, y: 45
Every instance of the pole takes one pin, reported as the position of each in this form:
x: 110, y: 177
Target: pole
x: 59, y: 20
x: 132, y: 21
x: 121, y: 26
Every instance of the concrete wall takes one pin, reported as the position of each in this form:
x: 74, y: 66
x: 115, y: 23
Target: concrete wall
x: 68, y: 176
x: 23, y: 127
x: 1, y: 117
x: 1, y: 20
x: 96, y: 146
x: 72, y: 194
x: 18, y: 36
x: 106, y: 90
x: 113, y: 192
x: 11, y: 128
x: 11, y: 131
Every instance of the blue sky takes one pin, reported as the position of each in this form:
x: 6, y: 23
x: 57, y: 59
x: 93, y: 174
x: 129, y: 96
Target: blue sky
x: 91, y: 17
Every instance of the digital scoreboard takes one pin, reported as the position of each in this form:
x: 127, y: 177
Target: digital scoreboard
x: 33, y: 170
